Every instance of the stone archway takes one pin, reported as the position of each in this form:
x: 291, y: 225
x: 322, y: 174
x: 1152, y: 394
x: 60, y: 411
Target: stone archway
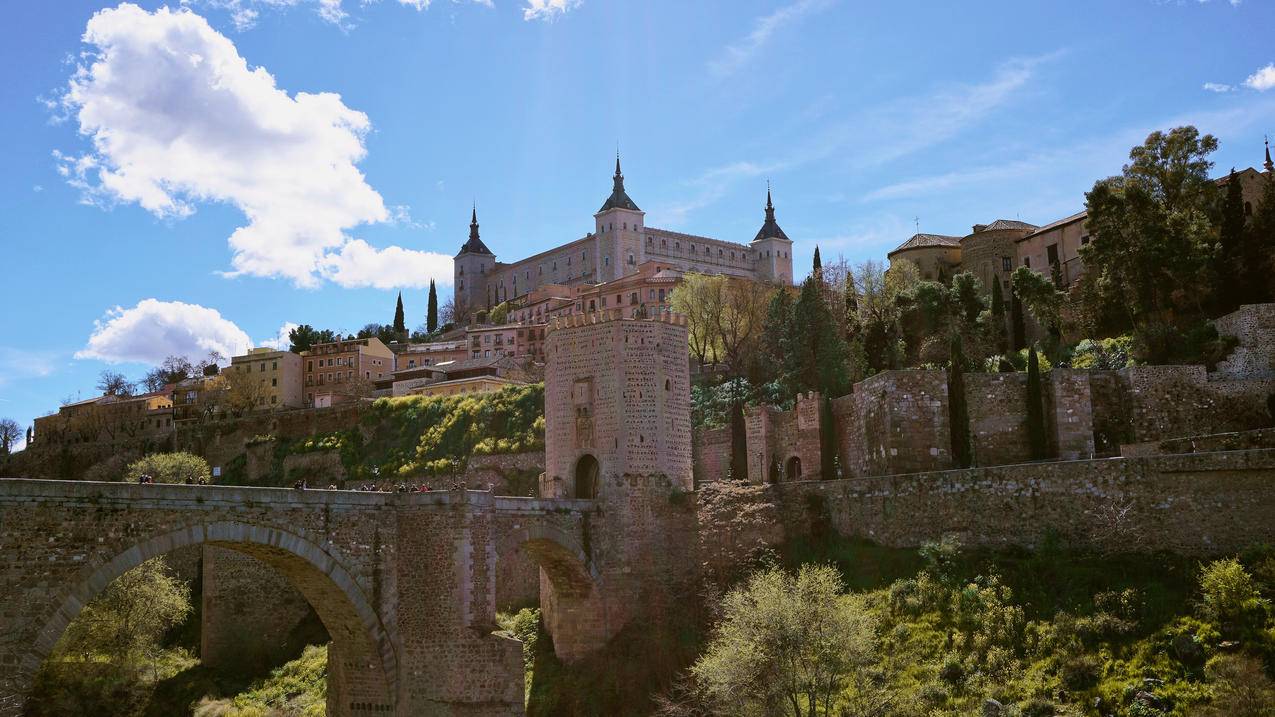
x: 792, y: 470
x: 586, y: 477
x: 362, y: 661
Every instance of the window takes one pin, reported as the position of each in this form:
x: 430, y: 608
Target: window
x: 1052, y: 252
x: 1027, y: 261
x: 263, y: 367
x: 606, y: 261
x: 309, y: 365
x: 274, y: 382
x: 274, y: 365
x: 604, y: 302
x: 274, y: 399
x: 1006, y: 264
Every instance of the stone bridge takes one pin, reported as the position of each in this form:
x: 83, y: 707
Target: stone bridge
x: 404, y: 583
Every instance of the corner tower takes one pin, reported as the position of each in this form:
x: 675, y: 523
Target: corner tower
x: 470, y: 269
x: 772, y: 249
x: 618, y: 228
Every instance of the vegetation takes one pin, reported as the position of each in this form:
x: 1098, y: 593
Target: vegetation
x: 10, y: 433
x: 169, y: 468
x: 297, y: 688
x: 431, y: 313
x: 1035, y: 408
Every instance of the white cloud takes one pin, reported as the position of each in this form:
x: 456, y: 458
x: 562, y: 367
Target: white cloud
x: 548, y: 9
x: 279, y: 341
x: 736, y: 55
x: 1218, y: 87
x: 1263, y: 79
x: 154, y: 329
x: 176, y: 117
x: 360, y: 264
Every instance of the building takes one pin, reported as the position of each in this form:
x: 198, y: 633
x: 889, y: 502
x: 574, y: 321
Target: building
x: 198, y: 398
x: 409, y: 356
x: 108, y: 419
x: 344, y: 370
x: 279, y: 372
x: 619, y: 244
x: 648, y: 290
x: 459, y: 377
x: 993, y: 251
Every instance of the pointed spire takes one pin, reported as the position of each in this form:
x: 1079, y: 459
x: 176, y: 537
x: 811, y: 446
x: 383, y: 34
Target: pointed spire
x: 770, y: 228
x: 1270, y: 167
x: 475, y: 245
x: 619, y: 199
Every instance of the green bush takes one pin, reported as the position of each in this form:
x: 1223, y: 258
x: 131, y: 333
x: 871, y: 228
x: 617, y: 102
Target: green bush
x: 169, y: 468
x: 1230, y: 596
x: 1110, y: 354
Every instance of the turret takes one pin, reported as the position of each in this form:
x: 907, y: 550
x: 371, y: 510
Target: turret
x: 772, y: 249
x: 471, y: 267
x: 618, y: 228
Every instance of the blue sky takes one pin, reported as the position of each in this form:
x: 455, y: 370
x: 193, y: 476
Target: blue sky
x: 198, y: 177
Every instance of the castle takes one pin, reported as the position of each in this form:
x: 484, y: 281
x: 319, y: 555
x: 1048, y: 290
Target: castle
x: 619, y: 243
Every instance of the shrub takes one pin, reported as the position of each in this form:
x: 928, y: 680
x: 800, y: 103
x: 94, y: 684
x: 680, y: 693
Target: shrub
x: 1110, y: 354
x: 1230, y: 596
x: 169, y: 468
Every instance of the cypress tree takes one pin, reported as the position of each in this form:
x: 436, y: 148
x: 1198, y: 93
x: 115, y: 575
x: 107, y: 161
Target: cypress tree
x: 1035, y: 407
x: 1228, y: 262
x: 818, y: 268
x: 827, y: 440
x: 1017, y: 327
x: 958, y: 411
x: 852, y: 307
x: 998, y: 317
x: 400, y: 326
x: 431, y: 314
x: 738, y: 443
x: 1259, y: 247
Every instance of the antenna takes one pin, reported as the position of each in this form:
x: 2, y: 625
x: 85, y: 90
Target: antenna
x: 917, y: 221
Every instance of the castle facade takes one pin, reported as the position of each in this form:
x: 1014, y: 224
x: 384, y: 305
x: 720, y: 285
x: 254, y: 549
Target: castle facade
x: 619, y: 243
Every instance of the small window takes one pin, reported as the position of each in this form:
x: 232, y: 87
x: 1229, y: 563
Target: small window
x: 1006, y: 264
x: 1084, y: 240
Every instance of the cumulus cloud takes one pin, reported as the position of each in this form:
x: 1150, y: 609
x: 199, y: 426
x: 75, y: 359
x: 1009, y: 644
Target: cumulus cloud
x: 360, y: 264
x: 154, y: 329
x: 548, y: 9
x: 1263, y: 79
x: 739, y: 53
x: 176, y: 116
x: 1217, y: 87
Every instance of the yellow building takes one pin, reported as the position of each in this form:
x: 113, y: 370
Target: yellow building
x: 341, y: 371
x: 473, y: 384
x: 279, y: 372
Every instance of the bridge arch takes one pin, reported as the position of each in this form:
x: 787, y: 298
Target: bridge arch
x: 362, y: 661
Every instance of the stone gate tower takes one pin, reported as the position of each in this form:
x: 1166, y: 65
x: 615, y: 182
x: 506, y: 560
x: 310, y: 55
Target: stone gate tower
x: 617, y: 430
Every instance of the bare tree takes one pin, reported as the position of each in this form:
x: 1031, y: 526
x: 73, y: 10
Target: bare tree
x: 700, y: 298
x: 245, y: 392
x: 10, y: 432
x: 740, y: 319
x: 113, y: 383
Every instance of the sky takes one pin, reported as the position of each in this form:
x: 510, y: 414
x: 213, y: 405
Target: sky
x: 200, y: 175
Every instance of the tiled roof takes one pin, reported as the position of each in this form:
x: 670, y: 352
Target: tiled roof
x: 1078, y: 216
x: 1002, y: 224
x: 918, y: 241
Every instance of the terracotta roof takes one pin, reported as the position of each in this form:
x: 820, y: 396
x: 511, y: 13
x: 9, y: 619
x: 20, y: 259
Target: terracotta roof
x: 917, y: 241
x: 1002, y: 224
x: 1078, y: 216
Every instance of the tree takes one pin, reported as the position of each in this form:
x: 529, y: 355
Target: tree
x: 1257, y: 254
x: 817, y: 269
x: 881, y: 304
x: 177, y: 467
x: 816, y: 356
x: 740, y: 321
x: 10, y: 432
x: 303, y: 337
x: 827, y: 440
x: 700, y: 297
x: 997, y: 323
x: 738, y: 443
x: 958, y: 411
x: 1153, y: 228
x: 499, y: 313
x: 1035, y: 407
x: 172, y: 370
x: 1042, y: 298
x: 113, y: 383
x: 431, y: 313
x: 384, y: 332
x: 245, y: 392
x: 787, y: 645
x: 777, y: 333
x: 400, y: 325
x: 1018, y: 326
x: 127, y: 619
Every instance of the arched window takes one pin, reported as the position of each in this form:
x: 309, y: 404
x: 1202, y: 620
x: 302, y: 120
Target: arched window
x: 794, y: 468
x: 586, y: 483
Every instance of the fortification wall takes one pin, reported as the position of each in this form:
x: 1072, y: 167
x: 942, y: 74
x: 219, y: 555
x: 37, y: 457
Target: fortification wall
x: 711, y: 450
x: 997, y: 405
x: 1193, y: 504
x: 1254, y: 326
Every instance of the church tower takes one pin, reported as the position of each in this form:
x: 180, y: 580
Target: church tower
x: 618, y: 228
x: 772, y: 249
x: 470, y: 268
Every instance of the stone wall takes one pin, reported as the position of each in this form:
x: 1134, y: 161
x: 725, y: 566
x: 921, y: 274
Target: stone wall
x: 711, y: 449
x: 1193, y: 504
x: 1254, y: 326
x: 997, y: 404
x: 894, y: 422
x: 511, y: 474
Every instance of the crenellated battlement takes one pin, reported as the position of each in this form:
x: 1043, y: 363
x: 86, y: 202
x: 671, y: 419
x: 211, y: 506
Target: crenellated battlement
x: 608, y: 315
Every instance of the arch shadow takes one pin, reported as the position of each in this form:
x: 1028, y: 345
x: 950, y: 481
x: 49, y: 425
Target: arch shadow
x: 561, y: 556
x: 364, y: 645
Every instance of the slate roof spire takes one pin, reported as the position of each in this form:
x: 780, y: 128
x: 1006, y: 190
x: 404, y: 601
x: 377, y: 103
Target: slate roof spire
x: 619, y: 199
x: 770, y: 228
x: 474, y: 245
x: 1270, y: 167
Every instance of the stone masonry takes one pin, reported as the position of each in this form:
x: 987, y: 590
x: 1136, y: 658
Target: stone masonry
x: 403, y: 583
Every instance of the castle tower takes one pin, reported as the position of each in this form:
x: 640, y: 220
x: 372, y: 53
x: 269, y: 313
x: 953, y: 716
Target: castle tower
x: 470, y: 269
x: 618, y: 228
x: 773, y: 249
x: 617, y: 429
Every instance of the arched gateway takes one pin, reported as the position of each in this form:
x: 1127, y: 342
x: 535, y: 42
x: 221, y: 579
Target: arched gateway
x: 404, y: 583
